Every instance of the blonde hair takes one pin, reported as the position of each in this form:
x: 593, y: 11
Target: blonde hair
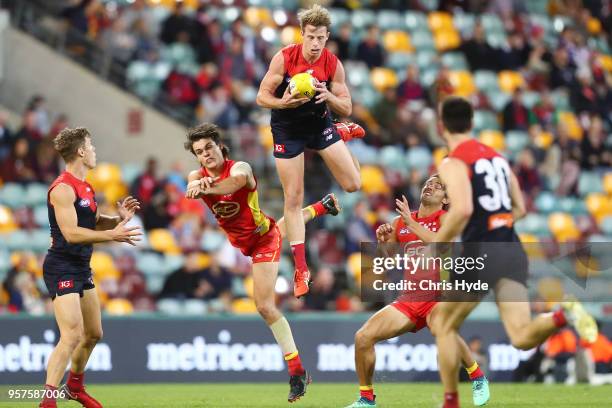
x: 69, y: 141
x: 315, y: 16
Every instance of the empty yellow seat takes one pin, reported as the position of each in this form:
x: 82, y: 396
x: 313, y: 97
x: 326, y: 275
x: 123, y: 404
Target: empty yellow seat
x: 373, y: 180
x: 599, y: 205
x: 119, y: 307
x: 446, y: 40
x: 607, y: 183
x: 244, y: 306
x: 383, y: 78
x: 463, y: 82
x: 493, y: 139
x: 255, y: 16
x: 397, y: 41
x: 563, y: 227
x: 103, y: 266
x: 570, y: 121
x: 510, y: 80
x: 265, y: 136
x: 115, y: 192
x: 7, y: 221
x: 606, y: 61
x: 162, y: 240
x: 543, y: 140
x: 439, y: 154
x: 440, y: 20
x: 291, y: 35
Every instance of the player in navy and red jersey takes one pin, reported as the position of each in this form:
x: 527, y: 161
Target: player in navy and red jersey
x: 76, y: 224
x: 486, y: 200
x: 229, y: 189
x: 298, y: 123
x: 409, y: 312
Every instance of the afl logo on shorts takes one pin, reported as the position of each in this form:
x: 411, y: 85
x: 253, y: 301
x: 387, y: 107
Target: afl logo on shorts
x: 226, y: 209
x: 84, y: 202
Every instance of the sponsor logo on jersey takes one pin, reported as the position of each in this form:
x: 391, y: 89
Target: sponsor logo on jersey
x: 226, y: 209
x: 84, y: 202
x: 67, y: 284
x: 279, y: 148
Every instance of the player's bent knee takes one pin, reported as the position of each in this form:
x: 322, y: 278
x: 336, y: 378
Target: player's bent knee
x: 72, y: 339
x: 352, y: 185
x: 266, y: 310
x: 363, y: 338
x: 93, y: 336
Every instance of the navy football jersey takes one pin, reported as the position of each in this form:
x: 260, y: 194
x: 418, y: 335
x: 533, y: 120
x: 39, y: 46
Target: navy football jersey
x: 489, y: 173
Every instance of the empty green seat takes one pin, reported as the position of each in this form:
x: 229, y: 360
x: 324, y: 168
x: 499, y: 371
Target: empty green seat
x: 516, y: 141
x: 532, y: 223
x: 36, y: 194
x: 422, y: 40
x: 546, y: 202
x: 12, y: 195
x: 390, y: 20
x: 357, y: 74
x: 415, y: 21
x: 419, y: 157
x: 194, y: 307
x: 362, y: 18
x: 606, y: 225
x: 171, y: 307
x: 485, y: 120
x: 455, y: 61
x: 393, y: 157
x: 589, y: 182
x: 339, y: 17
x: 150, y: 263
x: 399, y: 61
x: 486, y: 80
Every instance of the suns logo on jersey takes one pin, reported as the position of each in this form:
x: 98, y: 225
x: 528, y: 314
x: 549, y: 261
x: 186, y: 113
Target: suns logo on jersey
x: 226, y: 209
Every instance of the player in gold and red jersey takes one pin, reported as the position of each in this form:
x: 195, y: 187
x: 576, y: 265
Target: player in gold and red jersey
x: 298, y: 123
x: 229, y: 189
x: 410, y: 312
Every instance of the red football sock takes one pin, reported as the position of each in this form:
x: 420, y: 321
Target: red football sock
x: 319, y: 209
x: 294, y: 364
x: 559, y: 318
x: 75, y: 381
x: 451, y: 400
x: 49, y: 399
x: 367, y: 391
x: 476, y: 374
x: 299, y: 256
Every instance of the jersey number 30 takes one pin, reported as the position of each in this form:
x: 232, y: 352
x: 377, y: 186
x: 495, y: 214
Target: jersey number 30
x: 496, y: 175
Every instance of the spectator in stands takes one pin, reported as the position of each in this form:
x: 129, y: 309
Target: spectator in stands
x: 41, y: 115
x: 139, y: 13
x: 6, y: 137
x: 369, y: 50
x: 184, y: 283
x: 527, y: 173
x: 507, y: 8
x: 29, y: 128
x: 343, y: 40
x: 410, y: 89
x: 20, y: 284
x: 176, y: 23
x: 201, y: 39
x: 60, y: 123
x: 20, y: 166
x: 120, y: 40
x: 76, y: 15
x: 145, y: 185
x: 215, y: 282
x: 47, y: 163
x: 479, y: 53
x: 569, y: 166
x: 515, y: 114
x: 385, y: 114
x: 593, y: 149
x: 583, y: 96
x: 323, y: 292
x: 217, y: 107
x: 543, y: 112
x: 516, y: 55
x: 442, y: 86
x: 562, y: 72
x: 234, y: 65
x: 358, y: 229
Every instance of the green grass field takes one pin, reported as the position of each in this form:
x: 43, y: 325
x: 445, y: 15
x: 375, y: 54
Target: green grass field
x: 333, y: 395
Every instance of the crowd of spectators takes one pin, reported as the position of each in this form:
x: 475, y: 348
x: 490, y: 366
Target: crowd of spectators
x: 227, y: 59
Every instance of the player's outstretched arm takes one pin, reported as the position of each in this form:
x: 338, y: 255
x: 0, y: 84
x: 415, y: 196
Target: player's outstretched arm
x: 339, y: 99
x: 454, y: 175
x: 271, y: 81
x: 403, y: 209
x: 241, y: 175
x: 518, y: 201
x: 126, y: 208
x: 62, y: 199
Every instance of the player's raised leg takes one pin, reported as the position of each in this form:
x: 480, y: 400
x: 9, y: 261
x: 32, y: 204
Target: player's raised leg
x: 343, y: 166
x: 327, y: 205
x: 385, y: 324
x: 92, y: 333
x: 291, y: 174
x: 480, y: 384
x: 526, y: 333
x: 264, y: 279
x: 67, y: 311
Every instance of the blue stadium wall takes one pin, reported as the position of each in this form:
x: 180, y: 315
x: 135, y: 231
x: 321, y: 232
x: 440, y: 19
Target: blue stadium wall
x: 234, y: 349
